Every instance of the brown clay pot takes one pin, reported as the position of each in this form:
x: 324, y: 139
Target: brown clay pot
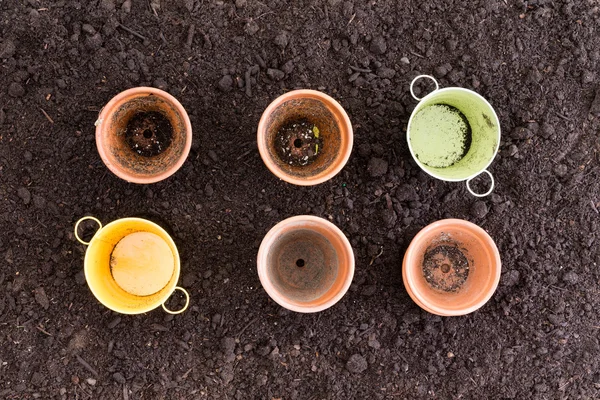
x: 334, y: 130
x: 116, y: 137
x: 452, y: 267
x: 305, y: 264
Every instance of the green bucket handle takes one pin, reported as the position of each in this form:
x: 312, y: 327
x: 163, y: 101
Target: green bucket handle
x: 437, y: 86
x: 485, y: 171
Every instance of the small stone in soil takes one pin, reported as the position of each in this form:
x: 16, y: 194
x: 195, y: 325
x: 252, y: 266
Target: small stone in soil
x: 24, y: 194
x: 119, y: 378
x: 7, y: 49
x: 226, y: 83
x: 377, y: 167
x: 356, y: 364
x: 275, y: 74
x: 571, y: 277
x: 298, y: 143
x: 149, y: 133
x: 479, y: 209
x: 16, y: 90
x: 378, y: 45
x: 41, y: 298
x: 511, y: 278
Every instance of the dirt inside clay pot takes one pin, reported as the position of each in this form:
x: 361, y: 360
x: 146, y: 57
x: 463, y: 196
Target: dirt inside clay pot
x: 305, y: 137
x: 149, y: 133
x: 446, y: 267
x: 451, y: 267
x: 143, y: 135
x: 298, y: 142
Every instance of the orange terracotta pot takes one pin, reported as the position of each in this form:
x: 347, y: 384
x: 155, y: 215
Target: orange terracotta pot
x: 120, y: 145
x: 334, y: 137
x: 452, y: 267
x: 305, y: 264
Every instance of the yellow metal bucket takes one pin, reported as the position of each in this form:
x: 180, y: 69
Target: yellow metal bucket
x: 132, y: 265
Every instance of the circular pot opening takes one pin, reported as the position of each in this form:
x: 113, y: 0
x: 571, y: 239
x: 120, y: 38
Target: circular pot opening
x: 305, y: 265
x: 452, y: 267
x: 305, y: 137
x: 143, y: 135
x: 132, y: 265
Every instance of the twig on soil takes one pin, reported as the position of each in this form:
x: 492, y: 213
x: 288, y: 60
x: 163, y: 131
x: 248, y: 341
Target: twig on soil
x: 363, y: 70
x: 563, y: 117
x: 351, y: 19
x: 190, y: 36
x: 41, y: 329
x: 162, y: 37
x: 134, y: 33
x: 87, y: 366
x: 244, y: 154
x: 376, y: 256
x: 248, y: 80
x: 416, y: 54
x: 594, y: 206
x: 262, y: 15
x: 246, y: 327
x: 47, y: 116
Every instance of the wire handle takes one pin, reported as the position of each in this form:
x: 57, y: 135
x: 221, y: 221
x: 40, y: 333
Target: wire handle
x: 437, y: 87
x: 485, y: 171
x: 187, y: 302
x: 84, y: 219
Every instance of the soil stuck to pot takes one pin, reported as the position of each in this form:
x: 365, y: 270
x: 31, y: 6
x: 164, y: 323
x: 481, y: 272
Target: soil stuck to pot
x: 298, y: 143
x: 440, y: 135
x: 149, y: 133
x: 445, y: 267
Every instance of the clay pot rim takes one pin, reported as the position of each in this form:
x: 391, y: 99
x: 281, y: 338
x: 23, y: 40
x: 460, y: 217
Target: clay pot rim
x: 108, y: 110
x: 261, y: 258
x: 408, y: 277
x: 264, y: 153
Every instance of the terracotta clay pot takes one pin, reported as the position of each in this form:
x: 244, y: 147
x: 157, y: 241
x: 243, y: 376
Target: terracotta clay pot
x: 452, y: 267
x: 128, y: 124
x: 305, y: 264
x: 334, y: 134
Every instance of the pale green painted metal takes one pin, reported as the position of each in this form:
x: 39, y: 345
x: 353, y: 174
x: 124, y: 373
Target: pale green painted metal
x: 485, y: 131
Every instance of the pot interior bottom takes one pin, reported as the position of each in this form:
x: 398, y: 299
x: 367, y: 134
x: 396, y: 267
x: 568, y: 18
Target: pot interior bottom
x: 303, y: 265
x: 142, y: 263
x: 445, y: 267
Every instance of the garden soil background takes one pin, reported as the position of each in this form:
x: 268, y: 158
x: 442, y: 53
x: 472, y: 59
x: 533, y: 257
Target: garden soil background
x: 537, y: 62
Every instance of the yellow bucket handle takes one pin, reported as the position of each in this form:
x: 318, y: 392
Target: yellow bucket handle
x: 84, y: 219
x: 187, y: 302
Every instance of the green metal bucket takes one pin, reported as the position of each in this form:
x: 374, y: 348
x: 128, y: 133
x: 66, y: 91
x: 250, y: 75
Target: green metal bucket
x: 453, y: 134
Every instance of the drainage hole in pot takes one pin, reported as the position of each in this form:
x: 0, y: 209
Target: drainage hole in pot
x: 298, y: 142
x: 149, y: 133
x: 300, y: 262
x: 445, y: 267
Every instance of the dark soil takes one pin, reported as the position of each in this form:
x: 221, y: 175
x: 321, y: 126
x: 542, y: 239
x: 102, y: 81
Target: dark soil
x: 298, y: 143
x: 538, y: 64
x: 445, y: 267
x: 149, y: 133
